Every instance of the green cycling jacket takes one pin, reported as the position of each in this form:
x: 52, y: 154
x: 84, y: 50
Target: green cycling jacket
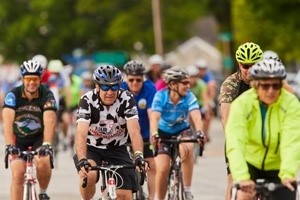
x: 280, y: 149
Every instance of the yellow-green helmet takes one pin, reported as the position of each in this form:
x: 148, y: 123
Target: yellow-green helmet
x: 248, y: 53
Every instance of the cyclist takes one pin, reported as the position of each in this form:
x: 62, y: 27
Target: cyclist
x: 44, y: 62
x: 155, y: 62
x: 143, y: 92
x: 106, y: 116
x: 207, y: 76
x: 246, y: 55
x: 30, y: 119
x: 171, y: 110
x: 262, y: 137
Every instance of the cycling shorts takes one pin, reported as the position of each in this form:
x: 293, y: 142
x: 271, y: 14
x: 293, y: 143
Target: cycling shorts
x: 166, y: 147
x: 24, y: 143
x: 117, y: 155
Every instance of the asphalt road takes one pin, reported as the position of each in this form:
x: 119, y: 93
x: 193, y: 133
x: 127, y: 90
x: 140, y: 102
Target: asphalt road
x: 208, y: 181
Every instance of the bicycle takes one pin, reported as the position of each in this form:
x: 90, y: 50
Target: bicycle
x: 142, y: 176
x: 175, y: 190
x: 29, y: 192
x: 263, y: 189
x: 109, y: 176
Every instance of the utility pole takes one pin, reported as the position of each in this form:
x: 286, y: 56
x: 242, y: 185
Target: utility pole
x: 157, y: 27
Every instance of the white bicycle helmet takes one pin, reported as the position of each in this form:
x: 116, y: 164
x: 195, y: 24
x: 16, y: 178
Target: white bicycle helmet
x: 31, y: 68
x: 175, y: 74
x: 41, y: 59
x: 268, y: 68
x: 107, y: 75
x: 192, y: 70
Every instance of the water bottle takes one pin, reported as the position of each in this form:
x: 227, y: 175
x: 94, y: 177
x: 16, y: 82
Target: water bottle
x: 112, y: 188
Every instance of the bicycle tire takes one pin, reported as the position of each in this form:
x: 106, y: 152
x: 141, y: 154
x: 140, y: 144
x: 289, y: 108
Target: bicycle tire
x: 139, y: 195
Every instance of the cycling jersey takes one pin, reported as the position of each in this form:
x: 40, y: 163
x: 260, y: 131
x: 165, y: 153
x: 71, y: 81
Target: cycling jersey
x: 198, y: 89
x: 29, y: 114
x: 174, y: 118
x: 232, y: 87
x: 143, y: 101
x: 277, y: 150
x: 107, y: 124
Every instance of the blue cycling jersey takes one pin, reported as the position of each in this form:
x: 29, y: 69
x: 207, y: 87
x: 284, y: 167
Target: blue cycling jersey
x: 143, y: 102
x: 174, y: 118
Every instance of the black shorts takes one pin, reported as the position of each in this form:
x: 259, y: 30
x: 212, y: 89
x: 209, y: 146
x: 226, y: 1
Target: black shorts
x: 115, y: 156
x: 166, y: 147
x: 24, y: 143
x: 272, y: 176
x: 148, y: 149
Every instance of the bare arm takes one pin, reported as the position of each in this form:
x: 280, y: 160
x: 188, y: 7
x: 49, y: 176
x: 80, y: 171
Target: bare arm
x: 154, y: 118
x: 8, y: 115
x: 49, y: 118
x: 135, y: 135
x: 81, y: 137
x: 195, y: 115
x: 224, y: 109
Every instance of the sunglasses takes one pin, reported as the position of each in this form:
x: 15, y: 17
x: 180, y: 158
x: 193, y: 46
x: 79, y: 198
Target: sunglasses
x: 246, y: 66
x: 266, y: 86
x: 109, y: 87
x: 33, y: 79
x: 184, y: 82
x: 138, y: 80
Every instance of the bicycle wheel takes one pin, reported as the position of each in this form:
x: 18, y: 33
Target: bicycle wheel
x: 139, y: 195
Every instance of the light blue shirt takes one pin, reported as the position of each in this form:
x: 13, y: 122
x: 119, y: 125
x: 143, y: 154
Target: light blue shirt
x: 174, y: 118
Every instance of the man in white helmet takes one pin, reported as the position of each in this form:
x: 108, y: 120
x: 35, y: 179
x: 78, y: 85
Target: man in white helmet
x: 44, y: 63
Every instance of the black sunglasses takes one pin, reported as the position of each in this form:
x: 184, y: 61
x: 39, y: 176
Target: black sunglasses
x: 184, y: 82
x: 138, y: 80
x: 266, y: 86
x: 244, y: 66
x: 109, y: 87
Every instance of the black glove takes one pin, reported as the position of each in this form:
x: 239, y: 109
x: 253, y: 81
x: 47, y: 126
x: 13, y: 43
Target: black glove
x: 45, y: 149
x: 83, y: 163
x: 139, y: 160
x: 12, y: 150
x: 201, y: 136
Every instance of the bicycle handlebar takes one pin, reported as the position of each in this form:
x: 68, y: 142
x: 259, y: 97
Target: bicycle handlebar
x: 25, y: 154
x: 113, y: 168
x: 178, y: 140
x: 260, y: 186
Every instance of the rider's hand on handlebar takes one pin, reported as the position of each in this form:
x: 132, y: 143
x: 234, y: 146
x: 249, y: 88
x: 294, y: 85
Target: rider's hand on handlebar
x: 201, y: 137
x: 290, y: 183
x: 45, y: 149
x: 247, y: 186
x: 154, y: 139
x: 12, y: 150
x: 139, y: 161
x: 83, y: 165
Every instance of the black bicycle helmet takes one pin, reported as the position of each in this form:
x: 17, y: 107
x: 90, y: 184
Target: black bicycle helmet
x: 31, y: 68
x: 134, y: 67
x: 175, y: 74
x: 268, y: 68
x: 107, y: 75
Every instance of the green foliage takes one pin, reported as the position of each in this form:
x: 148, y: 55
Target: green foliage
x: 273, y: 25
x: 57, y: 27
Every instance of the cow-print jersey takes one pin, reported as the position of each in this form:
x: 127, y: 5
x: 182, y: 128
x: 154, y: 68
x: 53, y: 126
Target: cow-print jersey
x: 107, y: 124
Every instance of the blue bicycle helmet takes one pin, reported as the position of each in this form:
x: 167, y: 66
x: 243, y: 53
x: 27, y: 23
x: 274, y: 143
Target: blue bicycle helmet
x: 107, y: 75
x: 31, y: 68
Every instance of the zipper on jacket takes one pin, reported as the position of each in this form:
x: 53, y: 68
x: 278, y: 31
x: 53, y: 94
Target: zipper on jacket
x: 278, y: 142
x: 267, y: 146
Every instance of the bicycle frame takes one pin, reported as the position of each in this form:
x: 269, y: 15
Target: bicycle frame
x: 30, y: 181
x: 108, y: 174
x: 29, y: 191
x: 175, y: 189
